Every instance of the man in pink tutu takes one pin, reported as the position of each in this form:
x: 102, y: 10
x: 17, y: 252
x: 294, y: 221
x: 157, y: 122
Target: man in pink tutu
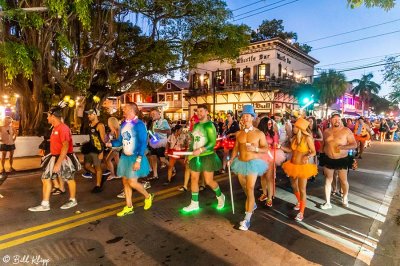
x: 245, y: 160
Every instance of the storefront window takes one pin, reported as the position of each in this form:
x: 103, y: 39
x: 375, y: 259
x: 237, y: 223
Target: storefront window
x: 246, y: 76
x: 263, y: 72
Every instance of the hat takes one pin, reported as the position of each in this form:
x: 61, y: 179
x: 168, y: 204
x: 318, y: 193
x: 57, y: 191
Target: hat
x: 56, y: 111
x: 248, y: 109
x: 334, y: 114
x: 93, y: 111
x: 302, y: 124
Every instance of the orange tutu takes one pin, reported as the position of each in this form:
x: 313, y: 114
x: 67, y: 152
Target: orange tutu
x: 299, y: 170
x: 362, y: 138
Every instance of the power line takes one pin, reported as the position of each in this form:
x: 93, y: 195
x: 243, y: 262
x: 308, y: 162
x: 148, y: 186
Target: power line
x: 366, y: 38
x: 267, y: 10
x: 247, y: 5
x: 360, y: 59
x: 347, y: 32
x: 258, y: 9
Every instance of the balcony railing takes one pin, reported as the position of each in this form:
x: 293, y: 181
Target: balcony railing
x: 251, y: 85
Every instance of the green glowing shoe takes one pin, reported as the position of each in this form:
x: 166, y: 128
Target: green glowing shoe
x: 193, y: 206
x: 221, y: 201
x: 125, y: 211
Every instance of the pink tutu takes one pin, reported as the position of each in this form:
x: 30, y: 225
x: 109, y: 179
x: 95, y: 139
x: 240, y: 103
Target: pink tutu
x: 280, y: 156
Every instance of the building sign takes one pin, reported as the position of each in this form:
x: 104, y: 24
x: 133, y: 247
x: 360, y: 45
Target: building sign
x: 259, y: 106
x: 252, y: 58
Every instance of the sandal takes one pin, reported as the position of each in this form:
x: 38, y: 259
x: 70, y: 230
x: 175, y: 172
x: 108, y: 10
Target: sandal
x: 268, y: 203
x: 201, y: 188
x: 57, y: 191
x: 182, y: 188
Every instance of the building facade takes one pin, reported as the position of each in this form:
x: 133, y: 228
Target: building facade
x: 261, y: 75
x: 174, y: 94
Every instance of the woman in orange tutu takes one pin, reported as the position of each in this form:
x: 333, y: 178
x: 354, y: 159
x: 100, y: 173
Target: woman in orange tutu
x: 298, y: 168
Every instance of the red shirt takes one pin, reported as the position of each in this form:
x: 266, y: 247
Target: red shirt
x: 60, y: 134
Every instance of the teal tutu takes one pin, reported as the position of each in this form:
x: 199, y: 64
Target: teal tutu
x: 126, y: 163
x: 207, y: 163
x: 254, y: 167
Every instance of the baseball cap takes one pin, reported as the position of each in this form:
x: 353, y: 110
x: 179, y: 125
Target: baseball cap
x: 335, y: 114
x: 93, y: 111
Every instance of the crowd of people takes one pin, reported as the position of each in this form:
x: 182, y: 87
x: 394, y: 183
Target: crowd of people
x: 252, y: 146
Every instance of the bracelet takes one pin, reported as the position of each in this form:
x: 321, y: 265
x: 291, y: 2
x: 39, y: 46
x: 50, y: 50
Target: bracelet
x: 138, y: 160
x: 257, y: 149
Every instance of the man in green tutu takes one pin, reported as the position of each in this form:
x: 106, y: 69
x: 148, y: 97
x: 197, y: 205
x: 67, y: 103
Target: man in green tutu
x: 204, y: 159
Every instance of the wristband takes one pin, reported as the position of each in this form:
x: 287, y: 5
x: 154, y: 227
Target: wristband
x: 138, y: 160
x: 257, y: 149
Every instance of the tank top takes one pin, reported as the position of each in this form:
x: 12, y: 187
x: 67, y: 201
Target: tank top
x: 95, y: 139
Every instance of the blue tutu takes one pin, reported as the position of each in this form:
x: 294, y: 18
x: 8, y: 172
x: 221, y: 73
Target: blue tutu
x: 255, y: 167
x: 125, y: 167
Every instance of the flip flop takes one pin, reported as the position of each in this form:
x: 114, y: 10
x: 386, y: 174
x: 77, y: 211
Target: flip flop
x: 57, y: 191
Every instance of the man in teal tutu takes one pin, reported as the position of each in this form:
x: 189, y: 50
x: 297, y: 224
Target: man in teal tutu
x: 246, y: 162
x: 204, y: 159
x: 133, y: 163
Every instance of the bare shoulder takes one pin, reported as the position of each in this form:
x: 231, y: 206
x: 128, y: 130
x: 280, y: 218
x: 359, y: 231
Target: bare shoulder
x: 259, y: 133
x: 347, y: 131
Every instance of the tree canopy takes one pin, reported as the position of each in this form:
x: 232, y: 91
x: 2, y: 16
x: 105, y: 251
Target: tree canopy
x: 391, y: 74
x: 385, y: 4
x: 274, y: 29
x: 93, y: 47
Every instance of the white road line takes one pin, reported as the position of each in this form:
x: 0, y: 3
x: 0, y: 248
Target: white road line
x: 369, y: 171
x: 383, y: 154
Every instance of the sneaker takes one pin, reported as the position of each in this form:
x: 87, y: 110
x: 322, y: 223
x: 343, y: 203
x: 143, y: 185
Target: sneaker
x: 297, y: 207
x: 345, y: 202
x: 152, y: 178
x: 163, y: 165
x: 121, y: 195
x: 255, y: 206
x: 182, y: 189
x: 40, y: 208
x: 201, y: 188
x: 125, y: 211
x: 299, y: 217
x: 96, y: 189
x: 111, y: 177
x: 146, y: 185
x: 148, y: 202
x: 12, y: 170
x: 221, y: 201
x: 263, y: 197
x: 193, y: 206
x: 244, y: 225
x: 326, y: 206
x: 87, y: 175
x: 69, y: 204
x: 106, y: 173
x: 268, y: 203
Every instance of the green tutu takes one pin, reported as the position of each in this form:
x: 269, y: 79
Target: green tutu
x: 207, y: 163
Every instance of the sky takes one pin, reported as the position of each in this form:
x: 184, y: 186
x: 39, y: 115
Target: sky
x: 315, y: 19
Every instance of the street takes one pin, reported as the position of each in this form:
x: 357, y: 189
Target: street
x: 91, y: 234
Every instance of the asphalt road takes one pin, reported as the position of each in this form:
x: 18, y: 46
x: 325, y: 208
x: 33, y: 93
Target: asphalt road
x: 91, y: 234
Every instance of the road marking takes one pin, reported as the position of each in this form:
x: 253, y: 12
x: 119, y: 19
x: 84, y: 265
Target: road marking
x: 55, y: 230
x: 163, y: 194
x: 383, y: 154
x: 75, y: 217
x: 369, y: 171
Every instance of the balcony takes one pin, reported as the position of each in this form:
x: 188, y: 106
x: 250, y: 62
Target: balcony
x: 252, y: 85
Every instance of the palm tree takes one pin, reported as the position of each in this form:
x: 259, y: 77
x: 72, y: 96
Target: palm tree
x: 365, y: 87
x: 330, y: 86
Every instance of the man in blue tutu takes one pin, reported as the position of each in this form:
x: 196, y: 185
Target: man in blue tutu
x: 133, y: 163
x: 204, y: 159
x: 246, y: 162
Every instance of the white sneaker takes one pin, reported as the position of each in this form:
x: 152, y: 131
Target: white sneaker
x: 244, y: 225
x: 193, y: 206
x: 326, y: 206
x: 146, y: 185
x: 121, y: 195
x: 221, y: 201
x: 40, y: 208
x: 345, y: 202
x: 69, y: 204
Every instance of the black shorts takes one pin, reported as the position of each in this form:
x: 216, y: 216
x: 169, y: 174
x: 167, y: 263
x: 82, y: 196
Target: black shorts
x: 159, y: 152
x: 5, y: 147
x: 336, y: 164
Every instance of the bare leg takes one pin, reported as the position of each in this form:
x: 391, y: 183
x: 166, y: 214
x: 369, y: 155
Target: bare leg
x: 12, y: 159
x: 128, y: 192
x: 209, y: 178
x: 170, y: 167
x: 328, y: 183
x: 270, y: 181
x: 99, y: 173
x: 194, y: 181
x: 133, y: 183
x: 295, y: 185
x: 263, y: 180
x: 344, y: 184
x: 72, y: 188
x: 186, y: 176
x: 46, y: 190
x: 250, y: 182
x: 302, y: 182
x: 3, y: 159
x: 242, y: 181
x: 153, y: 163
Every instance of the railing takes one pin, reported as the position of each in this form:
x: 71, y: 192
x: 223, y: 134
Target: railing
x: 267, y: 85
